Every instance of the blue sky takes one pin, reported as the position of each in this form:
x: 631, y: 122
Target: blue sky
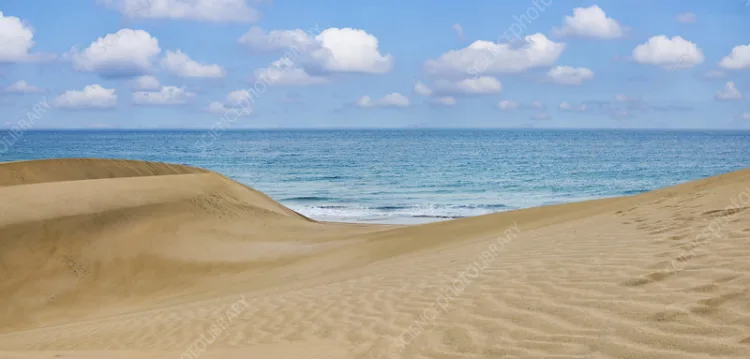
x: 282, y: 64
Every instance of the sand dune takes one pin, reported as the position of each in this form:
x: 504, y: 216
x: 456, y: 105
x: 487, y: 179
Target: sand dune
x: 128, y: 259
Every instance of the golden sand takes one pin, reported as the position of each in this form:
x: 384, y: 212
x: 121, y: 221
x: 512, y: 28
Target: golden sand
x: 128, y: 259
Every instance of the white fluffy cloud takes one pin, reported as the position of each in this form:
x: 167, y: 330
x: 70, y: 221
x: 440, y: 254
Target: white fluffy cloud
x: 686, y: 18
x: 729, y: 92
x: 738, y: 59
x: 566, y: 75
x: 16, y: 38
x: 745, y: 116
x: 590, y: 22
x: 284, y: 73
x: 470, y: 86
x: 22, y: 86
x: 92, y: 96
x: 180, y: 64
x: 333, y: 50
x: 537, y: 104
x: 391, y: 100
x: 485, y: 57
x: 674, y: 53
x: 351, y: 50
x: 145, y: 83
x: 199, y: 10
x: 422, y: 89
x: 127, y: 52
x: 168, y: 95
x: 507, y: 105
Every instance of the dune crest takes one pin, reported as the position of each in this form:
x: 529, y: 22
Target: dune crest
x: 130, y: 259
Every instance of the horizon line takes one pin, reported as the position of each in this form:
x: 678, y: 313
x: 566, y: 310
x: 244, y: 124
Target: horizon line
x: 196, y: 129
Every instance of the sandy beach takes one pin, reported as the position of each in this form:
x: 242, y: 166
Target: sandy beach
x: 128, y: 259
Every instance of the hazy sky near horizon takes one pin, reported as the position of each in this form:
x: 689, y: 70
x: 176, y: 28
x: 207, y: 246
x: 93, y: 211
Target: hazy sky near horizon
x: 483, y: 63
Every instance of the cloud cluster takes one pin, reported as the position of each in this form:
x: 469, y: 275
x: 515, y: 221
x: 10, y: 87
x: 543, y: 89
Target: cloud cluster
x: 312, y: 59
x: 129, y: 53
x: 487, y: 58
x: 471, y: 71
x: 92, y: 96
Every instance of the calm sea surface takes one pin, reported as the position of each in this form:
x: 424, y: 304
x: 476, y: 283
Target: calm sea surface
x: 410, y: 176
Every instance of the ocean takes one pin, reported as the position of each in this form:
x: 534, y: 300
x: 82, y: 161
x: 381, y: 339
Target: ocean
x: 415, y: 175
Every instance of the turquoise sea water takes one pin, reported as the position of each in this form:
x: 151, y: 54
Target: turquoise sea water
x: 409, y: 176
